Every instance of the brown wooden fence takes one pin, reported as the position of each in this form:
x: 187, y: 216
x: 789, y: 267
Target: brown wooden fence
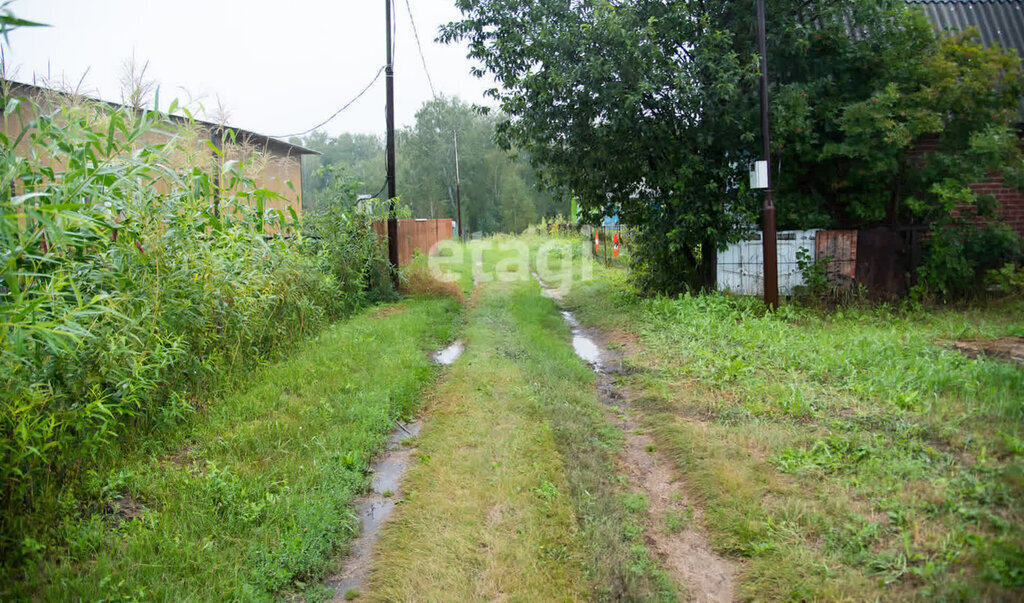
x: 416, y: 235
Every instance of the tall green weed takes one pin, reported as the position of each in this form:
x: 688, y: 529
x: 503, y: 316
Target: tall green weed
x: 135, y: 274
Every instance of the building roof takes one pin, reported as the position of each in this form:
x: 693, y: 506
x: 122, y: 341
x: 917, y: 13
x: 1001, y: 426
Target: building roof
x: 279, y: 146
x: 999, y: 21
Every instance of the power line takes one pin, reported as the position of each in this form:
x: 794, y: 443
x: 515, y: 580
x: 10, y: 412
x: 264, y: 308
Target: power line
x: 336, y: 113
x: 419, y: 47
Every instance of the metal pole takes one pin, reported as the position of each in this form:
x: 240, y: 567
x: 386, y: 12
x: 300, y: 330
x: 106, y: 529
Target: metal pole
x: 768, y: 242
x: 458, y: 190
x: 390, y: 117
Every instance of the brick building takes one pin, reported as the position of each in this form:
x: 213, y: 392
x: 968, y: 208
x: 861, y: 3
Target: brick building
x: 998, y: 22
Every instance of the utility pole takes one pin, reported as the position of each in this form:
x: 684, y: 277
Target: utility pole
x: 768, y: 242
x: 389, y: 72
x: 458, y: 191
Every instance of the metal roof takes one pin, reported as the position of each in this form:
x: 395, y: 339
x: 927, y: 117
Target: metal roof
x: 280, y: 146
x: 999, y: 21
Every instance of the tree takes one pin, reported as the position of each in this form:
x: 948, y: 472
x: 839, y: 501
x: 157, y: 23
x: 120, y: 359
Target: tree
x: 650, y: 108
x: 853, y: 145
x: 632, y: 106
x: 491, y: 177
x: 499, y: 192
x: 359, y: 156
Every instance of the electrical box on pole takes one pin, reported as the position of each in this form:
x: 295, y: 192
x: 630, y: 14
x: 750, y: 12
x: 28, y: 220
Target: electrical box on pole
x: 759, y: 175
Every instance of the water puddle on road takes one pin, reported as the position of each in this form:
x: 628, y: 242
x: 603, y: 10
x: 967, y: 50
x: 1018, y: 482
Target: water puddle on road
x: 687, y: 555
x: 582, y: 341
x: 582, y: 344
x: 450, y: 354
x: 373, y: 509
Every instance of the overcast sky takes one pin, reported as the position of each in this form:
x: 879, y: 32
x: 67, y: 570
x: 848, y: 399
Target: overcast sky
x: 277, y: 67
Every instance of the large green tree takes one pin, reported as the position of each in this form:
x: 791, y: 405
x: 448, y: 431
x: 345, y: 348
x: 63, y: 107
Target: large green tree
x: 500, y: 190
x: 498, y: 186
x: 650, y: 108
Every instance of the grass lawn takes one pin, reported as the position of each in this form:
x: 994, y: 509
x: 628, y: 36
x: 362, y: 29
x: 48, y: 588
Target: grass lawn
x: 254, y: 498
x: 838, y: 455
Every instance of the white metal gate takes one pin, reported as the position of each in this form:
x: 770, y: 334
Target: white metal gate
x: 740, y: 267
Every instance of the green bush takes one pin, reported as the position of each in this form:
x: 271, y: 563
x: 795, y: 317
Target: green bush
x: 133, y: 281
x: 340, y: 236
x: 958, y: 258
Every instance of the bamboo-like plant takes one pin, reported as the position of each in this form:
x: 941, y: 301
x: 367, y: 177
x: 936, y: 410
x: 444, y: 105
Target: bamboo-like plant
x: 133, y: 275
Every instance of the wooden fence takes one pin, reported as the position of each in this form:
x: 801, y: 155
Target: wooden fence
x: 416, y: 235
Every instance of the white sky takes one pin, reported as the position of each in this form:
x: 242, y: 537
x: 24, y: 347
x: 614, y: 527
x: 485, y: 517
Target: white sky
x: 278, y: 67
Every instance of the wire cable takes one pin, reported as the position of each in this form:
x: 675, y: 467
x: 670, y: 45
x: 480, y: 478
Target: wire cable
x: 419, y: 47
x: 336, y: 113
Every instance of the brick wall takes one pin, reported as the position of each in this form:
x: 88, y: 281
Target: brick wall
x: 1011, y: 201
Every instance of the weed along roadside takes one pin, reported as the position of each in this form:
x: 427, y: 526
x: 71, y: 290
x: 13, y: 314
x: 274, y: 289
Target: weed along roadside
x: 257, y: 498
x: 829, y: 455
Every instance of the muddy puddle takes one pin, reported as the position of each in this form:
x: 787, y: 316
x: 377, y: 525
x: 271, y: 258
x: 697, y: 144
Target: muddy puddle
x: 375, y: 507
x: 450, y: 354
x: 582, y: 343
x: 702, y: 574
x: 583, y: 340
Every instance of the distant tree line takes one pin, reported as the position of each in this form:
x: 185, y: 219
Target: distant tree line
x: 500, y: 191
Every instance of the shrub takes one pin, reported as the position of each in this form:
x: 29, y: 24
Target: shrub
x: 956, y: 259
x: 417, y: 280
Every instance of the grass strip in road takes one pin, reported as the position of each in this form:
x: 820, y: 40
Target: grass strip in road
x: 845, y: 455
x: 257, y: 499
x: 515, y: 494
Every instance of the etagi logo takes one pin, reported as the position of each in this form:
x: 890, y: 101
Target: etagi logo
x: 557, y: 264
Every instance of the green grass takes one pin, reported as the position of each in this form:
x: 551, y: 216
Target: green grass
x: 516, y: 493
x: 846, y: 454
x: 256, y: 498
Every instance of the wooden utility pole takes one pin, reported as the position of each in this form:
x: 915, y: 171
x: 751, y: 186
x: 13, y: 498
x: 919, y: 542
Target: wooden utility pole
x: 389, y: 72
x: 458, y: 191
x: 768, y: 242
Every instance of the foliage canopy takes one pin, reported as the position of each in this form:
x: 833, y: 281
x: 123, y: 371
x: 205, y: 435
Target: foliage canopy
x: 650, y: 108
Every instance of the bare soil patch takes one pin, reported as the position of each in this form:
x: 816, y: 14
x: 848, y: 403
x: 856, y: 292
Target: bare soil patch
x: 623, y: 340
x: 126, y: 508
x: 387, y: 311
x: 673, y: 532
x: 186, y: 456
x: 1008, y: 349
